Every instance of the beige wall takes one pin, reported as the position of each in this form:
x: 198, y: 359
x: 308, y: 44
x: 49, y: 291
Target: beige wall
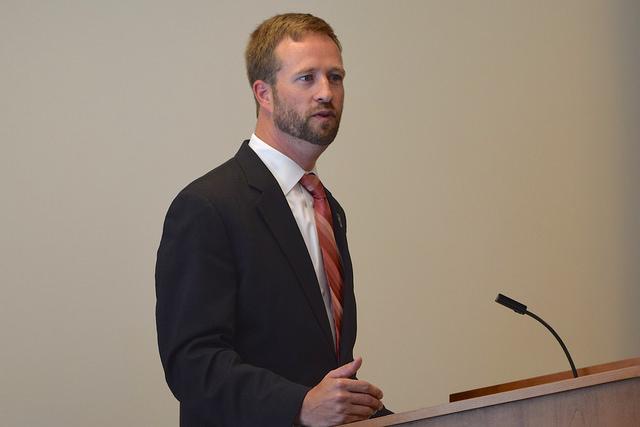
x: 486, y: 146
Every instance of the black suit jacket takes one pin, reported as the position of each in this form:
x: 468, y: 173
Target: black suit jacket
x: 242, y: 328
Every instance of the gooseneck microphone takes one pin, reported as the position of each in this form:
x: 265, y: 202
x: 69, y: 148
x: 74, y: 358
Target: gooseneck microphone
x: 522, y: 309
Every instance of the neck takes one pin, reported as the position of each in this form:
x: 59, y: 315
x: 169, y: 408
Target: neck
x: 302, y: 152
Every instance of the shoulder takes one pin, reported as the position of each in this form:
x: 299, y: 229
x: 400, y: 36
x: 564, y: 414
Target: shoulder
x: 225, y: 178
x: 229, y: 180
x: 204, y: 191
x: 227, y: 189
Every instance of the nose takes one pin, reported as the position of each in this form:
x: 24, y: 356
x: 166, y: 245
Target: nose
x: 324, y: 92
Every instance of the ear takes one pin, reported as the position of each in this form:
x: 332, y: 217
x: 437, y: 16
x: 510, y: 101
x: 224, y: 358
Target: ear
x: 263, y: 93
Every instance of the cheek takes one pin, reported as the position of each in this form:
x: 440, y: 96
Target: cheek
x: 339, y: 97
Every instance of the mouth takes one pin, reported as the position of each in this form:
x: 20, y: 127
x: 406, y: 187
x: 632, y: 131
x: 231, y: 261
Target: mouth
x: 324, y: 114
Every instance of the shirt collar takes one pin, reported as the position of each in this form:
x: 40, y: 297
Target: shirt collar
x: 285, y: 170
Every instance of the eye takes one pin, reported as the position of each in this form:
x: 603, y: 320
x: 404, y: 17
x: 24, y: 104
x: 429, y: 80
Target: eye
x: 336, y: 78
x: 306, y: 78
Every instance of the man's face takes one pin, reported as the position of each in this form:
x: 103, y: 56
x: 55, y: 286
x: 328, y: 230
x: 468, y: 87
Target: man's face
x: 308, y: 94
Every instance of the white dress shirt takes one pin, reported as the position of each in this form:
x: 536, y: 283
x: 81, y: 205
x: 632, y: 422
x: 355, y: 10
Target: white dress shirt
x: 288, y: 174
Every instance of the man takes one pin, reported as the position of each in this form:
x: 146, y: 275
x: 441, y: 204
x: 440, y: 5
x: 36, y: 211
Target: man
x: 255, y: 307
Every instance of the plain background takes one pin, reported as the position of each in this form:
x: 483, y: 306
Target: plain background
x: 485, y: 147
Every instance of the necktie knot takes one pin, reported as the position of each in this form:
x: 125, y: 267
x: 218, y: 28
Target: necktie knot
x: 313, y: 185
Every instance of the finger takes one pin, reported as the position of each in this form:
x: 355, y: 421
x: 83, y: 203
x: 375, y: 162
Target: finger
x: 363, y: 399
x: 360, y: 411
x: 346, y: 371
x: 360, y: 386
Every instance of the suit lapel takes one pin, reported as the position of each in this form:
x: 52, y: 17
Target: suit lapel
x: 274, y: 209
x: 340, y: 233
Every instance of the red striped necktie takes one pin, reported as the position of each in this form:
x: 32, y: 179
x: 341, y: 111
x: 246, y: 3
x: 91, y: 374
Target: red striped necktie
x: 328, y: 247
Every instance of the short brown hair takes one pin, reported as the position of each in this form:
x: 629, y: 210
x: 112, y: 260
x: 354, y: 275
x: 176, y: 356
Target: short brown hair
x: 260, y: 57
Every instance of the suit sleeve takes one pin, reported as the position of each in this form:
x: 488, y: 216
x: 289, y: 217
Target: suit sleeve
x: 196, y: 283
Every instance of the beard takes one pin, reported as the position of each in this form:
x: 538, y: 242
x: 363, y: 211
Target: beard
x: 289, y: 121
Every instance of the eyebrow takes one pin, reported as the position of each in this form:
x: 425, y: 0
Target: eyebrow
x: 331, y: 70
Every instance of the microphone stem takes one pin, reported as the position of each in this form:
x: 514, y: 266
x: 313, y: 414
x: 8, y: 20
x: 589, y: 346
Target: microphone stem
x: 564, y: 347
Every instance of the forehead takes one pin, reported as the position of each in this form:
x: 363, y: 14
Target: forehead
x: 313, y: 51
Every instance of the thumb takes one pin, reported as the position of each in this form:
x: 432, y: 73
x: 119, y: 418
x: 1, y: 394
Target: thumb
x: 348, y: 370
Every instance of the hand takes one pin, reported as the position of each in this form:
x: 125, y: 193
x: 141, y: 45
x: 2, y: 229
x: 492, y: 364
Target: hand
x: 338, y: 399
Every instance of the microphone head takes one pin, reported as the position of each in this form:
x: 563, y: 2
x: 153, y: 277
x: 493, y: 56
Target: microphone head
x: 511, y: 303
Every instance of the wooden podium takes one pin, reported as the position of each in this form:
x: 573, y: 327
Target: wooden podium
x: 602, y: 395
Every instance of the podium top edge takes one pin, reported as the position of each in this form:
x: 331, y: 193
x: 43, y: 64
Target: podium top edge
x: 544, y: 379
